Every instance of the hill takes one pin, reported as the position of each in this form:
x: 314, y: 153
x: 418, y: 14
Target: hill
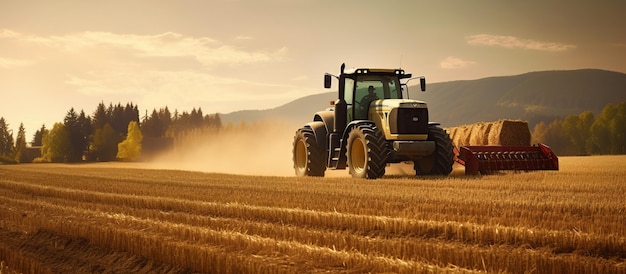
x: 533, y: 96
x: 299, y: 111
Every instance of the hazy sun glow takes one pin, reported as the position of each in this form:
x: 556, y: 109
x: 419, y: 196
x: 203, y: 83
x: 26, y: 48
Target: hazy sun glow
x: 224, y: 56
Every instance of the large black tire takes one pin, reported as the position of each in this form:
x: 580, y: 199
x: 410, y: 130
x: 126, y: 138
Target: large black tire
x: 309, y: 158
x: 441, y: 161
x: 367, y: 152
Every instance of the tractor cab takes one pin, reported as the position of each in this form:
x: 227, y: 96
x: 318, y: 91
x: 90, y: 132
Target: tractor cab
x: 358, y: 87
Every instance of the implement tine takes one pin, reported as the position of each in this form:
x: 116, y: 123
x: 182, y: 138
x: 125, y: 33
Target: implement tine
x: 494, y: 158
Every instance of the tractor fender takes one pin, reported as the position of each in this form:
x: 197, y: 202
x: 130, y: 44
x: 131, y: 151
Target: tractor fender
x: 353, y: 124
x: 320, y: 132
x: 327, y: 117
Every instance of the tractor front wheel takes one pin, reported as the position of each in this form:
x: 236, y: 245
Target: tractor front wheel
x: 308, y: 155
x: 441, y: 161
x: 367, y: 152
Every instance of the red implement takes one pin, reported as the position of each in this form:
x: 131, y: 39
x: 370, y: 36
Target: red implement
x: 487, y: 159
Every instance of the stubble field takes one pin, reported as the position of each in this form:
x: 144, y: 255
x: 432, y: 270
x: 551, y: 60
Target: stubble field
x: 97, y: 218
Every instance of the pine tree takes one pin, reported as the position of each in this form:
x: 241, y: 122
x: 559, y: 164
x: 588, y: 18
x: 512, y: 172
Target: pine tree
x: 75, y: 136
x: 20, y: 144
x: 6, y: 139
x: 85, y: 132
x: 38, y: 136
x: 100, y: 117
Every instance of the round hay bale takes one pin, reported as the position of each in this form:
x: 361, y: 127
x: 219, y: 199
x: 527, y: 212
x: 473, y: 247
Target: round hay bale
x: 465, y: 134
x: 499, y: 133
x: 509, y: 133
x: 452, y: 132
x: 479, y: 136
x: 460, y: 136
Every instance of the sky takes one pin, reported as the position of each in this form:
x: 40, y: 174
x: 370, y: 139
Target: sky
x: 228, y: 55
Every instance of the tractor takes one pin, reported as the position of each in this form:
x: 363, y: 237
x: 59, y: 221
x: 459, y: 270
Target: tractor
x: 373, y: 123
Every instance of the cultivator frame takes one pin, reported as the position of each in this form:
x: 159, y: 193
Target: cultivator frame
x: 490, y: 159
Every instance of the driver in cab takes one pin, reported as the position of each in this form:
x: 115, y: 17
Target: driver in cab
x: 364, y: 103
x: 371, y: 96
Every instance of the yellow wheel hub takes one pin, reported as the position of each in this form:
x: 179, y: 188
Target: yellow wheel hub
x: 357, y: 155
x: 301, y: 155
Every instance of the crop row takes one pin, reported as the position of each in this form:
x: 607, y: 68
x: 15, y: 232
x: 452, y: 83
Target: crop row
x: 462, y: 244
x: 202, y: 249
x: 597, y: 210
x: 224, y: 223
x: 601, y: 245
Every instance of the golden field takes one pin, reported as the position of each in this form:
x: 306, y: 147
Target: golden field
x: 114, y: 217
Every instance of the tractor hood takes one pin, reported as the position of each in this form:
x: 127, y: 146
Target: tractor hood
x: 400, y: 119
x: 388, y: 104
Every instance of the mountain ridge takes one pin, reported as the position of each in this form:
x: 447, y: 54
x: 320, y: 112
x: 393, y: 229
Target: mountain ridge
x: 532, y: 96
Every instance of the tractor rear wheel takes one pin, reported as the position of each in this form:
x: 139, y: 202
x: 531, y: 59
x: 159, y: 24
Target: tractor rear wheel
x: 308, y: 155
x: 441, y: 161
x: 367, y: 152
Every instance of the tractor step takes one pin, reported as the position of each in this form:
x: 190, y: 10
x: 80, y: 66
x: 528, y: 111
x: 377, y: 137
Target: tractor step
x: 335, y: 155
x: 488, y: 159
x: 335, y: 142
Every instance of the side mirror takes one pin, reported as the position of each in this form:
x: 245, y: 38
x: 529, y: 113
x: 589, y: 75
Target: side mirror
x: 327, y: 80
x: 423, y: 83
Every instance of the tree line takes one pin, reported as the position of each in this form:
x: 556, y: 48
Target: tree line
x: 111, y: 133
x: 117, y: 132
x: 586, y: 133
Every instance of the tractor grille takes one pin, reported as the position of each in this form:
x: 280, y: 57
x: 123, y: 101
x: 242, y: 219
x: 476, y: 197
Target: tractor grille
x: 409, y: 121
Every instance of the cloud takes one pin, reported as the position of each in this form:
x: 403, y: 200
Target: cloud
x: 452, y: 62
x: 162, y: 69
x: 14, y: 63
x: 512, y: 42
x: 243, y: 37
x: 300, y: 78
x: 207, y: 51
x: 183, y: 88
x: 6, y: 33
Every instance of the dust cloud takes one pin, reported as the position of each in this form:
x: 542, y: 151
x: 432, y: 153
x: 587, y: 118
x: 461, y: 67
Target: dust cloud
x: 262, y: 148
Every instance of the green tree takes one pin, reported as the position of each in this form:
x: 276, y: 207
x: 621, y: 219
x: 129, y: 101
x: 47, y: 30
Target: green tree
x: 607, y: 130
x: 56, y: 144
x: 20, y: 144
x: 552, y: 134
x: 578, y: 129
x: 130, y: 148
x: 600, y: 132
x: 104, y: 146
x: 617, y: 127
x: 585, y: 123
